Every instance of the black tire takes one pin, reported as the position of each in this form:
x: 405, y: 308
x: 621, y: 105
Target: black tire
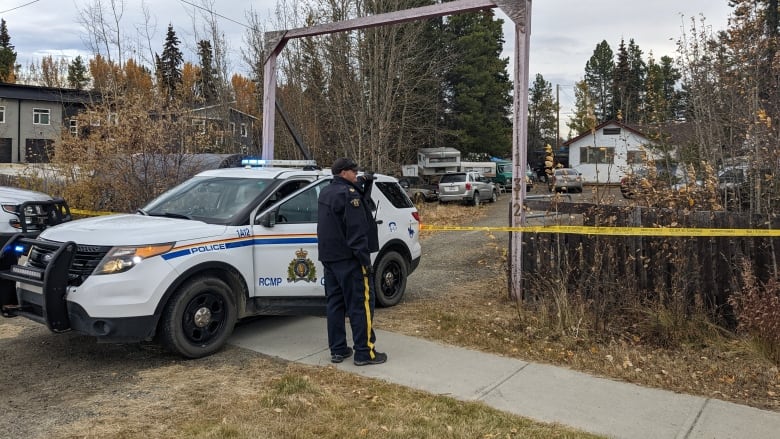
x: 390, y: 279
x: 199, y: 318
x: 475, y: 199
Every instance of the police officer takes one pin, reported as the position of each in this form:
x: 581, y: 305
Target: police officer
x: 346, y: 235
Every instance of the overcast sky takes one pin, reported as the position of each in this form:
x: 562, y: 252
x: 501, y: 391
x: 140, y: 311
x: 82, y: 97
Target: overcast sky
x: 564, y: 33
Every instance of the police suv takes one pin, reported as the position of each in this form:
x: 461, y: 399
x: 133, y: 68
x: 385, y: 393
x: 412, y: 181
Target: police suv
x: 29, y: 212
x: 224, y: 245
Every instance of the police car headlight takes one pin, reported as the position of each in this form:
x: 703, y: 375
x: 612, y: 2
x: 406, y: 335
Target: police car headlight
x: 120, y: 259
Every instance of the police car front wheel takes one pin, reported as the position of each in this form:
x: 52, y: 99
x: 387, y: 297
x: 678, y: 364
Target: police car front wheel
x: 199, y: 318
x: 390, y: 279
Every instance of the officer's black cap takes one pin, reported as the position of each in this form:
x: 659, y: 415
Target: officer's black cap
x: 342, y: 164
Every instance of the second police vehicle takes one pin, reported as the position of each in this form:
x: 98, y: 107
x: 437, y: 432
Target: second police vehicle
x: 224, y: 245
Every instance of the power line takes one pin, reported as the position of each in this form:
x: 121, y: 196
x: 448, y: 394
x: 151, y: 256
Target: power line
x: 20, y: 6
x: 211, y: 12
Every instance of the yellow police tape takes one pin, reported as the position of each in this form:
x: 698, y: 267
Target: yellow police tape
x: 577, y: 230
x: 616, y: 231
x: 89, y: 212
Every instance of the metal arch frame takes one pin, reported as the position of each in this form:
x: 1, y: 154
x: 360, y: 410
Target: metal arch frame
x: 519, y: 11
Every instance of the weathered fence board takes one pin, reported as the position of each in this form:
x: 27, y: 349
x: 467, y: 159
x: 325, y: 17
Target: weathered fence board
x: 704, y: 270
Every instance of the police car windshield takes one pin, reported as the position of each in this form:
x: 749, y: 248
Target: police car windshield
x: 208, y: 199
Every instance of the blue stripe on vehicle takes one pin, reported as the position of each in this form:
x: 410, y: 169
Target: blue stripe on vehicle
x: 231, y: 244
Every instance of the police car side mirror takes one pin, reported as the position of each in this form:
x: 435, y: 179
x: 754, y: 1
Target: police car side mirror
x: 268, y: 219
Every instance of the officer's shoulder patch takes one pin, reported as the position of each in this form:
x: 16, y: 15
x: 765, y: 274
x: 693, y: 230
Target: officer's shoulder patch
x: 355, y: 202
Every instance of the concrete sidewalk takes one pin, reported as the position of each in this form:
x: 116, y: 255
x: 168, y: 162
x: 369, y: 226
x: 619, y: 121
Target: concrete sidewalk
x: 541, y: 392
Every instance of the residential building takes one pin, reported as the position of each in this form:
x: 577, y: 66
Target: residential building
x: 612, y: 150
x: 32, y: 120
x: 222, y: 128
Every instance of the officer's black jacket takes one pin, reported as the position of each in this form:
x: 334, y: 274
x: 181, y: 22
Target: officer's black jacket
x: 345, y: 226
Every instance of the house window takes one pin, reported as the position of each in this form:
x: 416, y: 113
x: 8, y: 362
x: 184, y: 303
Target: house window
x: 113, y: 119
x: 2, y: 114
x: 73, y: 126
x: 199, y: 125
x: 94, y: 119
x: 244, y: 131
x: 598, y: 156
x: 611, y: 131
x: 41, y: 116
x: 233, y: 128
x: 635, y: 157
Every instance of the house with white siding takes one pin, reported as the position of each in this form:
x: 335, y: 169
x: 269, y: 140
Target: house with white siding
x: 610, y: 151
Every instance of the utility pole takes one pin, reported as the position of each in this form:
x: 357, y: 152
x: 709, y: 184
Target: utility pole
x: 557, y: 116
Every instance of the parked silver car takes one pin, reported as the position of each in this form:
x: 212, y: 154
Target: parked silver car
x: 467, y: 187
x: 566, y: 179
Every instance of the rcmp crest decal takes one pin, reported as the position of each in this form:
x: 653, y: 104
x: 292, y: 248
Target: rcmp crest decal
x: 301, y: 268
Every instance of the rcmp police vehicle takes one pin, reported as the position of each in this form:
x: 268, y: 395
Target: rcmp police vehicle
x: 224, y: 245
x: 29, y: 212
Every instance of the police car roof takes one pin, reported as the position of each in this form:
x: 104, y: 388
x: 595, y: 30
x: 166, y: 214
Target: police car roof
x: 269, y: 173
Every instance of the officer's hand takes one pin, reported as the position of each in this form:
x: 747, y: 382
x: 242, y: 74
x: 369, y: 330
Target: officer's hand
x: 367, y: 176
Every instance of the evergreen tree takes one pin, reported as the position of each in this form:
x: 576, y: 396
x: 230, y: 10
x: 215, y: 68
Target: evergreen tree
x: 207, y: 78
x: 478, y: 86
x: 599, y: 72
x: 542, y: 116
x: 662, y: 99
x: 77, y: 74
x: 584, y: 118
x: 7, y: 56
x: 169, y: 64
x: 635, y: 85
x: 628, y: 82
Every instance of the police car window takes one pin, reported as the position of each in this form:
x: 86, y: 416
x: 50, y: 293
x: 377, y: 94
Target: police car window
x: 302, y: 208
x: 208, y: 199
x: 395, y: 194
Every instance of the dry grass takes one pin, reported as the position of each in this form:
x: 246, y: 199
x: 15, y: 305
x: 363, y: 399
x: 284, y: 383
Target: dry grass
x: 237, y: 394
x: 479, y: 315
x: 446, y: 215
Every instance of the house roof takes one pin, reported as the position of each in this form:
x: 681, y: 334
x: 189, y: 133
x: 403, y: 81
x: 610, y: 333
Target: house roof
x: 602, y: 125
x: 47, y: 94
x: 228, y: 105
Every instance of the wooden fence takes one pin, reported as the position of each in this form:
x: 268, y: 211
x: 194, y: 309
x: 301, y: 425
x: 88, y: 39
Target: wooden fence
x: 701, y: 271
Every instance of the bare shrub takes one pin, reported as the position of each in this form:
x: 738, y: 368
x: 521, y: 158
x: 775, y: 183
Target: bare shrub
x: 757, y: 308
x: 124, y: 154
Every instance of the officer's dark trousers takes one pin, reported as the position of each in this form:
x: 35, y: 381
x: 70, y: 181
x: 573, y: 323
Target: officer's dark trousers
x: 349, y: 292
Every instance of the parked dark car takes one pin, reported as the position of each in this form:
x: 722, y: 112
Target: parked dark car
x: 419, y: 190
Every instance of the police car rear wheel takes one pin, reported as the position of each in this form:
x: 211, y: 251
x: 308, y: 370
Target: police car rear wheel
x: 390, y: 279
x: 199, y: 318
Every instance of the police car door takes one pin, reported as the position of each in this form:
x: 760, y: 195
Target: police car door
x: 285, y: 247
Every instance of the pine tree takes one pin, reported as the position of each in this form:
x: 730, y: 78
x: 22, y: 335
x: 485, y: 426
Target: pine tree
x: 7, y: 56
x: 77, y: 74
x: 542, y: 116
x: 207, y: 77
x: 478, y: 86
x: 637, y: 70
x: 599, y: 72
x: 169, y: 64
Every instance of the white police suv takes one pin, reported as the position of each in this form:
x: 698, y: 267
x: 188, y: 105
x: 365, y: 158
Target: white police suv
x: 29, y: 212
x: 224, y: 245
